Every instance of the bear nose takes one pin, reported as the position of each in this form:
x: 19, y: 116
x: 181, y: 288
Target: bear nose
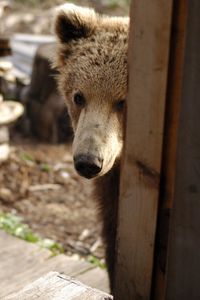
x: 88, y: 165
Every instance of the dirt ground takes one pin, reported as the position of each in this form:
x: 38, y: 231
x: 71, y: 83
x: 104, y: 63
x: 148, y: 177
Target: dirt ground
x: 39, y: 183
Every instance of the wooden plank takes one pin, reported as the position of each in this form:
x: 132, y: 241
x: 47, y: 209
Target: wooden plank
x: 26, y: 50
x: 55, y: 286
x: 23, y: 262
x: 184, y: 254
x: 148, y: 61
x: 96, y: 278
x: 23, y: 56
x: 33, y: 38
x: 174, y: 90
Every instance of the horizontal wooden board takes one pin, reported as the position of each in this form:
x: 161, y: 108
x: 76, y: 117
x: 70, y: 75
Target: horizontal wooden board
x: 55, y: 286
x: 33, y: 38
x: 21, y: 263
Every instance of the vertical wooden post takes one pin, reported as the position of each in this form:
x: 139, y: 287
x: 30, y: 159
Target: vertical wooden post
x: 148, y: 61
x: 172, y: 114
x: 183, y: 279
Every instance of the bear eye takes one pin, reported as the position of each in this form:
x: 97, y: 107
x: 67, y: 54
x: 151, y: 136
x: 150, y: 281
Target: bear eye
x: 79, y: 99
x: 119, y: 106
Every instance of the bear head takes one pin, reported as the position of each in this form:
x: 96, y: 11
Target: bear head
x: 91, y: 58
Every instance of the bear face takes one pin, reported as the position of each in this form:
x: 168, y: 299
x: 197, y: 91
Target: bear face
x: 92, y: 63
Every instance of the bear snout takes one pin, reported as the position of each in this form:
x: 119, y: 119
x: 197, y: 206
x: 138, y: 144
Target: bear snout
x: 88, y: 165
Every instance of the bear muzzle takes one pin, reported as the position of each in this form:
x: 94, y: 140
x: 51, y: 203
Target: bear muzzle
x: 87, y: 165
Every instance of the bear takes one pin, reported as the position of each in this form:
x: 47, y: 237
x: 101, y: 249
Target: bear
x: 91, y: 59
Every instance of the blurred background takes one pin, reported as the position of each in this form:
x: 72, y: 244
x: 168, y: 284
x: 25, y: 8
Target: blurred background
x: 35, y: 16
x: 41, y: 197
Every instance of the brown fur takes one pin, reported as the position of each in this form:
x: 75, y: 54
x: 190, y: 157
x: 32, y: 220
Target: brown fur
x: 92, y: 59
x: 107, y: 194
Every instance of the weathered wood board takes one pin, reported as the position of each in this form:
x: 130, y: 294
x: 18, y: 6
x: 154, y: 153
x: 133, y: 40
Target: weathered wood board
x: 37, y: 39
x: 172, y: 116
x: 167, y: 136
x: 148, y: 69
x: 55, y: 286
x: 21, y: 263
x: 183, y: 279
x: 24, y: 47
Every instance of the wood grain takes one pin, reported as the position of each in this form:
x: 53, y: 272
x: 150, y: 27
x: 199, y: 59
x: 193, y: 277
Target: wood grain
x: 172, y: 115
x: 21, y: 263
x: 55, y: 286
x: 148, y: 69
x: 184, y: 243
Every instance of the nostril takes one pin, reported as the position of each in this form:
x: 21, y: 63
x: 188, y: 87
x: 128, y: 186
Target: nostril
x: 87, y: 170
x: 88, y: 165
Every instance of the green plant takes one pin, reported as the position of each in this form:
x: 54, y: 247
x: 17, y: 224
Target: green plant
x: 97, y: 262
x: 115, y: 3
x: 45, y: 167
x: 12, y: 224
x: 27, y: 157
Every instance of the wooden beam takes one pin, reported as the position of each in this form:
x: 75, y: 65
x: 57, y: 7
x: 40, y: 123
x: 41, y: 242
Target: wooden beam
x: 58, y: 286
x: 148, y: 62
x: 184, y: 243
x: 172, y: 114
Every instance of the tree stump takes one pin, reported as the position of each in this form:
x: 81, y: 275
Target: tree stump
x: 49, y: 119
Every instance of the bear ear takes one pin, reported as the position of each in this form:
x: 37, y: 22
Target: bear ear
x: 73, y: 22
